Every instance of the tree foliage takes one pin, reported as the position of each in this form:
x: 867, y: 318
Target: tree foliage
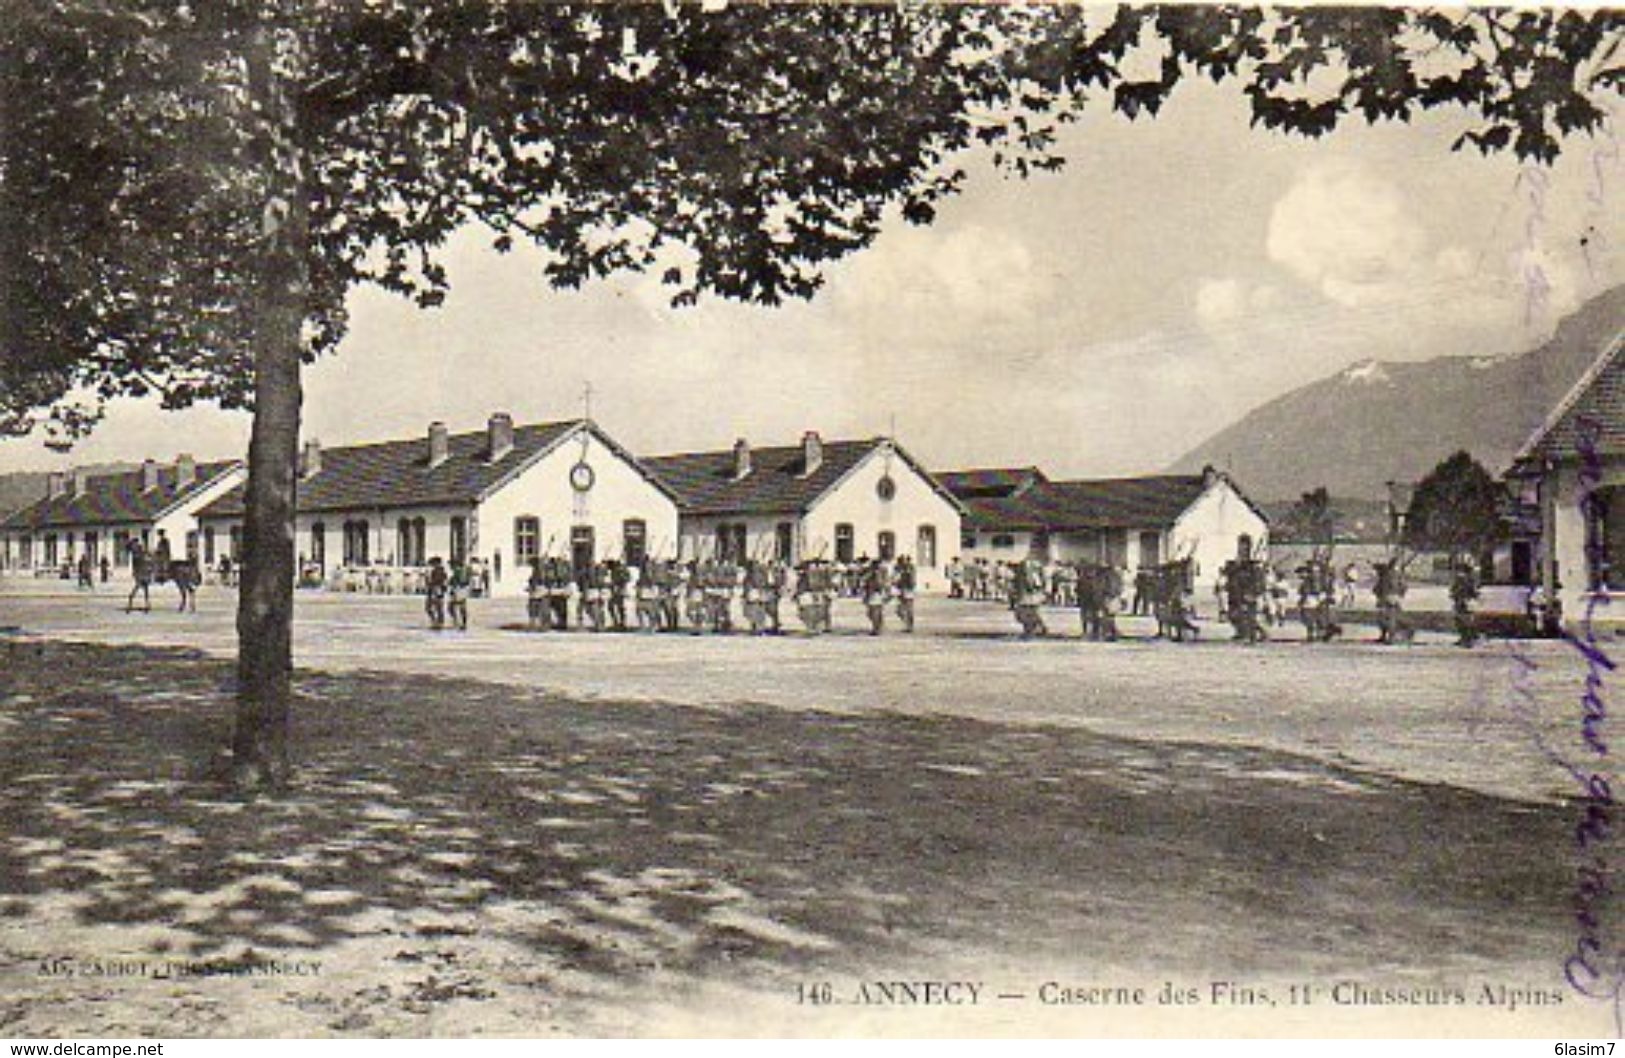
x: 735, y: 151
x: 1456, y: 508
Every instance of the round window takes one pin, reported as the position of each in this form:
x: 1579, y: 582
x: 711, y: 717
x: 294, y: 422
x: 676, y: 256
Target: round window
x: 581, y: 477
x: 886, y: 488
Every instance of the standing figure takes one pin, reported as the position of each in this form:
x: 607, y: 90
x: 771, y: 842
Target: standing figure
x: 1464, y: 602
x: 438, y: 585
x: 162, y: 557
x: 536, y: 618
x: 1026, y: 596
x: 904, y: 587
x: 876, y: 590
x: 141, y: 571
x: 1390, y: 593
x: 1088, y: 593
x: 457, y: 592
x: 87, y: 575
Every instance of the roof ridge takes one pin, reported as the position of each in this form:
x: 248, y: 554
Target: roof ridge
x: 1576, y: 393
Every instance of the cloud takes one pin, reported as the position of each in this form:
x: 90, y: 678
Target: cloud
x: 1350, y: 233
x: 1220, y: 302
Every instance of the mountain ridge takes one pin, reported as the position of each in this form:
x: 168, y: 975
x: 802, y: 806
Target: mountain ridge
x: 1376, y: 421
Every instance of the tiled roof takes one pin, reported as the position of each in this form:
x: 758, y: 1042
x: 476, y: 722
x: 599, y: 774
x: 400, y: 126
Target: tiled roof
x: 1112, y: 503
x: 397, y: 473
x: 1591, y: 417
x: 777, y: 483
x: 115, y: 499
x: 989, y: 483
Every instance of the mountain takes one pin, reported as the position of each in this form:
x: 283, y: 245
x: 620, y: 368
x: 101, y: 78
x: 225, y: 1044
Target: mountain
x: 1380, y: 421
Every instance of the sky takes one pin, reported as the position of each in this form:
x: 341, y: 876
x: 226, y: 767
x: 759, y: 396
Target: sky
x: 1102, y: 321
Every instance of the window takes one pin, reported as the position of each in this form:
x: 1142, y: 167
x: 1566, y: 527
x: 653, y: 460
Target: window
x: 925, y: 551
x: 1003, y: 541
x: 26, y: 558
x: 411, y: 542
x: 583, y: 548
x: 967, y: 541
x: 121, y: 548
x: 886, y: 545
x: 318, y: 545
x: 1150, y: 549
x: 92, y: 546
x: 784, y: 535
x: 208, y: 545
x: 1115, y: 547
x: 356, y: 543
x: 843, y: 542
x: 459, y: 540
x: 191, y: 544
x: 235, y: 542
x: 634, y: 541
x: 527, y: 533
x: 50, y: 549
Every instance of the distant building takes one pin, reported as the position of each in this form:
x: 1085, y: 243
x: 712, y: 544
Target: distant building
x: 840, y: 500
x: 101, y: 515
x: 504, y: 495
x: 1129, y: 522
x: 1571, y: 473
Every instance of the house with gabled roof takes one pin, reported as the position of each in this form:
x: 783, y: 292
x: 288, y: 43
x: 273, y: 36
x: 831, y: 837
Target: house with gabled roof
x: 1127, y: 522
x: 844, y: 500
x: 100, y: 515
x: 503, y: 495
x: 1571, y: 472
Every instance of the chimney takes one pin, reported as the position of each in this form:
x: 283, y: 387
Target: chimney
x: 310, y: 460
x: 149, y: 475
x: 439, y: 444
x: 185, y: 472
x: 55, y: 484
x: 78, y: 479
x: 1210, y: 475
x: 499, y: 435
x: 812, y: 452
x: 741, y: 459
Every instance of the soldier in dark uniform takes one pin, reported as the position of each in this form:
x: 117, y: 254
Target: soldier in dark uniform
x: 904, y: 587
x: 1389, y: 590
x: 1464, y: 601
x: 141, y: 570
x: 536, y: 597
x: 434, y: 603
x: 162, y: 556
x: 1088, y: 596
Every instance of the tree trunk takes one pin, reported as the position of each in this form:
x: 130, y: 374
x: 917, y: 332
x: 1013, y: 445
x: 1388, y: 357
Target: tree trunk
x: 278, y: 306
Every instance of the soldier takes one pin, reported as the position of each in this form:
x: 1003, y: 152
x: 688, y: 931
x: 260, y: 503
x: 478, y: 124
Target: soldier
x: 141, y: 570
x: 956, y: 578
x: 1243, y: 581
x: 876, y: 587
x: 561, y: 588
x: 1463, y: 601
x: 162, y: 557
x: 773, y: 594
x: 434, y: 602
x: 536, y: 597
x: 622, y: 579
x: 1143, y: 580
x: 648, y: 594
x: 1111, y: 601
x: 1089, y: 585
x: 1026, y: 594
x: 1390, y: 593
x: 461, y: 584
x: 756, y: 596
x: 904, y: 587
x: 1172, y: 601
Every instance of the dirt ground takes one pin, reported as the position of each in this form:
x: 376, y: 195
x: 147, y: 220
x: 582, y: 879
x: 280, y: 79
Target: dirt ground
x: 505, y: 833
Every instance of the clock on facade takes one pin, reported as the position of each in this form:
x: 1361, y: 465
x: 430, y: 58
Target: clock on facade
x: 582, y: 477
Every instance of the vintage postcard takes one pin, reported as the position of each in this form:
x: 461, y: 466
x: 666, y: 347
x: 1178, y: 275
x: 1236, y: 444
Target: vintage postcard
x: 726, y: 519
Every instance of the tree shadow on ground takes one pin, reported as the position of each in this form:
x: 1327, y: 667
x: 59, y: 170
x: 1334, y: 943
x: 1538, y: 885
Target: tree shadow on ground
x: 593, y: 845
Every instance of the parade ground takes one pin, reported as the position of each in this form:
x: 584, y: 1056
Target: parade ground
x: 517, y: 833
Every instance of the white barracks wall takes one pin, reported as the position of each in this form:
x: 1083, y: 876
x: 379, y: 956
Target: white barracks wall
x: 619, y: 492
x: 1210, y: 528
x: 855, y: 501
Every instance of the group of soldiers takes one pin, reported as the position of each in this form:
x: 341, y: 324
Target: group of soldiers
x: 1253, y: 595
x: 704, y: 595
